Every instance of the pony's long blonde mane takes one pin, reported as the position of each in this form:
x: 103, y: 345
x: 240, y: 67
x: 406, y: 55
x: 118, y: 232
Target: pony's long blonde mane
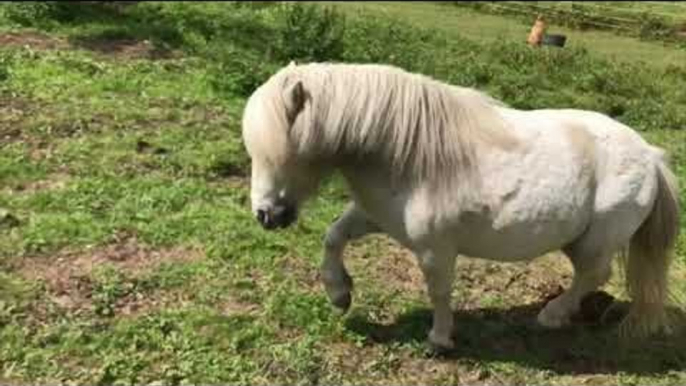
x: 419, y: 125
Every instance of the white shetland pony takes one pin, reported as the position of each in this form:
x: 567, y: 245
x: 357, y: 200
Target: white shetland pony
x: 448, y: 171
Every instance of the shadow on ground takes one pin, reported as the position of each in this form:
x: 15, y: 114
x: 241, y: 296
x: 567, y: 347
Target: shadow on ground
x: 511, y: 335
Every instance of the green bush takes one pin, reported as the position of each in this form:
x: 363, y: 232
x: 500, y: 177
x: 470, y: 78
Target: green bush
x: 29, y: 13
x: 655, y: 27
x: 309, y: 32
x: 372, y: 39
x: 239, y: 72
x: 50, y: 13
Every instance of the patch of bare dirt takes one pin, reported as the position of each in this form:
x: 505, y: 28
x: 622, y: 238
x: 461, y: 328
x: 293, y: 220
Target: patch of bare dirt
x: 376, y: 365
x: 396, y: 267
x: 116, y: 48
x: 138, y: 303
x: 123, y: 48
x: 55, y: 181
x: 233, y: 306
x: 125, y: 254
x: 13, y: 111
x: 34, y: 40
x: 66, y: 126
x: 522, y: 282
x: 68, y: 275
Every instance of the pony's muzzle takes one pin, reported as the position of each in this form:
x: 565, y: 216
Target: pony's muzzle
x: 277, y: 216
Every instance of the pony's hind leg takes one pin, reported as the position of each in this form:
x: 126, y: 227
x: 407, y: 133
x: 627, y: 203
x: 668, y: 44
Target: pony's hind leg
x: 591, y: 256
x: 352, y: 224
x: 591, y: 271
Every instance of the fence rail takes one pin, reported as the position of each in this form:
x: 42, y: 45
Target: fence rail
x: 588, y: 19
x: 635, y: 10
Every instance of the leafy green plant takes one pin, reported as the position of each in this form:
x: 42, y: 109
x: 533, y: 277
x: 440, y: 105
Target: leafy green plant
x: 373, y: 39
x: 308, y: 32
x: 655, y: 27
x: 46, y: 13
x: 239, y: 72
x: 109, y: 286
x: 29, y: 13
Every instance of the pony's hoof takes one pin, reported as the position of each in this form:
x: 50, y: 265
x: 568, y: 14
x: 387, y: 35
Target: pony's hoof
x: 553, y: 320
x: 438, y: 351
x: 342, y: 302
x: 440, y: 346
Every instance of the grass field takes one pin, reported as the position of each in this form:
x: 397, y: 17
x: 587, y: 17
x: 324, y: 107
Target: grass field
x: 464, y: 22
x: 128, y: 254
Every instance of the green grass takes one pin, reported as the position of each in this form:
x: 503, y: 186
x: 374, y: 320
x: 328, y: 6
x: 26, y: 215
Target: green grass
x: 135, y: 259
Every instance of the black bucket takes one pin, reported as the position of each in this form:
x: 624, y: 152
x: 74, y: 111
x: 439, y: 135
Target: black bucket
x: 554, y: 40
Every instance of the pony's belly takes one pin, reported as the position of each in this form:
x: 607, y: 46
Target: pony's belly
x: 521, y: 241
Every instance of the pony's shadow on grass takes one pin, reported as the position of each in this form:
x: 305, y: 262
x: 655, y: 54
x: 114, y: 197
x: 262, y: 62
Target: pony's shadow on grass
x: 512, y: 335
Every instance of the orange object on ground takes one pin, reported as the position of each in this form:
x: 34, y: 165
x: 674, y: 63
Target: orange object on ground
x: 537, y: 32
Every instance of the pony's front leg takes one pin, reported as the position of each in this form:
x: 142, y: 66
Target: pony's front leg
x: 352, y: 224
x: 439, y: 274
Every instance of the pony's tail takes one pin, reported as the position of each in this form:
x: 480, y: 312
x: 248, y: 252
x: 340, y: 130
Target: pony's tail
x: 649, y: 259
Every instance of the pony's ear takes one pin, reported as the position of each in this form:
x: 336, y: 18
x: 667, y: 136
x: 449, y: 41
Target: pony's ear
x: 294, y: 97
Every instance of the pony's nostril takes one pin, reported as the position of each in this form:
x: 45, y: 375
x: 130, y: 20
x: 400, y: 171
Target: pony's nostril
x: 276, y: 216
x: 289, y: 215
x: 261, y: 216
x: 284, y: 215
